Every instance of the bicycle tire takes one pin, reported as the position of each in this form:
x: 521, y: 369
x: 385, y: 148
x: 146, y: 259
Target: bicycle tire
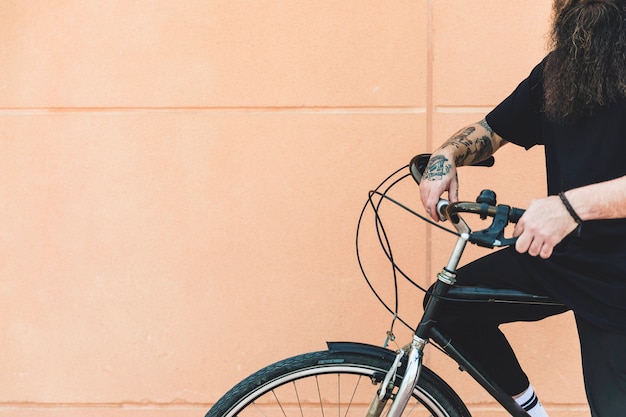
x: 297, y: 387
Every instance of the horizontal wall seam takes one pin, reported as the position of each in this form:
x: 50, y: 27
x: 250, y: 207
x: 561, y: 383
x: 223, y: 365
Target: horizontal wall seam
x: 244, y: 110
x: 127, y: 405
x: 462, y: 109
x: 183, y: 405
x: 216, y: 110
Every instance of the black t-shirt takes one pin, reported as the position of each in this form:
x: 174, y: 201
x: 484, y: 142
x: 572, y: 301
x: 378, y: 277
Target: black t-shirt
x: 592, y: 150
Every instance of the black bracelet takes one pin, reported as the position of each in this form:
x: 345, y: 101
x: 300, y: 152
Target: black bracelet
x: 572, y: 213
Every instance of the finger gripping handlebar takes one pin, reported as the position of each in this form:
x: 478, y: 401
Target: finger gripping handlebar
x: 485, y: 207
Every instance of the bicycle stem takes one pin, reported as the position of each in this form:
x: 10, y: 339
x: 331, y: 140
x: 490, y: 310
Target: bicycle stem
x: 455, y: 257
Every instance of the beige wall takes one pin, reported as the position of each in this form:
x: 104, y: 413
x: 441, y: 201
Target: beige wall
x: 180, y: 184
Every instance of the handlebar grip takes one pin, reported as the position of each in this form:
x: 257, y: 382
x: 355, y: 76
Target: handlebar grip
x: 515, y: 214
x: 418, y: 165
x: 486, y: 163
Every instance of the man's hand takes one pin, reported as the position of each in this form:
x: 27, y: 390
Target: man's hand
x: 472, y: 144
x: 544, y: 224
x: 439, y: 177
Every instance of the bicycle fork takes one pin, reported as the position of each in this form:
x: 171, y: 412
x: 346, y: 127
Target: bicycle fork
x: 413, y: 356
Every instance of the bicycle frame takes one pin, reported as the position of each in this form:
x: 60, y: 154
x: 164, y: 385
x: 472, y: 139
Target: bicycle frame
x: 426, y: 331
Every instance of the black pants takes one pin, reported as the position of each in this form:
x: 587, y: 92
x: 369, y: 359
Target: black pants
x: 474, y: 329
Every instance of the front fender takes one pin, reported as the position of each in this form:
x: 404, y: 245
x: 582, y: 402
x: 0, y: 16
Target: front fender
x: 362, y: 348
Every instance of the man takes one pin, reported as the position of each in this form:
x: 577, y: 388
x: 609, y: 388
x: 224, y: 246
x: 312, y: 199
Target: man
x: 571, y: 244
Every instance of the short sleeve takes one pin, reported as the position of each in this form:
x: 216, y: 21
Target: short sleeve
x: 518, y: 118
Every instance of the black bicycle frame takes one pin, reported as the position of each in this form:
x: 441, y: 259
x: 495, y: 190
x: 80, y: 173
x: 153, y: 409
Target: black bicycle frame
x: 427, y: 330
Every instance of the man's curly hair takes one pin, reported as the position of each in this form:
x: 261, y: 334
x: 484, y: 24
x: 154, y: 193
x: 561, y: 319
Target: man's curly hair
x: 586, y: 68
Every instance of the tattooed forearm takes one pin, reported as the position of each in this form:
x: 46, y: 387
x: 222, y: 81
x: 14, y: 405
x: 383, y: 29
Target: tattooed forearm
x: 438, y: 167
x: 460, y: 139
x: 470, y: 146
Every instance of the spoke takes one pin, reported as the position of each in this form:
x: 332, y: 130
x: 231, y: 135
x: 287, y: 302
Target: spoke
x: 279, y: 403
x: 259, y: 409
x: 356, y: 386
x: 338, y: 395
x: 319, y: 394
x: 295, y: 388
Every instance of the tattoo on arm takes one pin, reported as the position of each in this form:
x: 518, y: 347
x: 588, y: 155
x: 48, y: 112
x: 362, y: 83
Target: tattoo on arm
x: 438, y: 167
x: 469, y: 150
x: 484, y: 149
x: 459, y: 139
x: 484, y: 124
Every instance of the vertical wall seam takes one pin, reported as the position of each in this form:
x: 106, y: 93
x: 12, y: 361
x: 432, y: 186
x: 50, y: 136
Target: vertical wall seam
x: 430, y: 107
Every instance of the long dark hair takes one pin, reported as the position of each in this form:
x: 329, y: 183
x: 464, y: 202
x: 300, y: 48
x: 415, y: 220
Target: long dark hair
x: 586, y: 68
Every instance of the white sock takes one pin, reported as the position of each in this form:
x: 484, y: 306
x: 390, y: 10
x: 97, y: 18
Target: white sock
x: 529, y: 402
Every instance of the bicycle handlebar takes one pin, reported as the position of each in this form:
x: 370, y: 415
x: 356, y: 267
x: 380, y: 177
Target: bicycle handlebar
x: 483, y: 210
x: 485, y: 206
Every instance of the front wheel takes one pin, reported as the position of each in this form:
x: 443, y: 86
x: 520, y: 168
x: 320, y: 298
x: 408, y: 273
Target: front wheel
x: 332, y: 384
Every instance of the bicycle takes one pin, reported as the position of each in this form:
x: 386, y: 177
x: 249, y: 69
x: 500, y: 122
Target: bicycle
x: 365, y: 380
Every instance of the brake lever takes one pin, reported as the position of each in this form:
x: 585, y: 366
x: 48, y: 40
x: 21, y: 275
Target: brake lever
x: 493, y: 236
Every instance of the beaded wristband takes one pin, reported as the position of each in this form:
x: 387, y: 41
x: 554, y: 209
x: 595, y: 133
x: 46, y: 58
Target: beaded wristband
x: 572, y: 213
